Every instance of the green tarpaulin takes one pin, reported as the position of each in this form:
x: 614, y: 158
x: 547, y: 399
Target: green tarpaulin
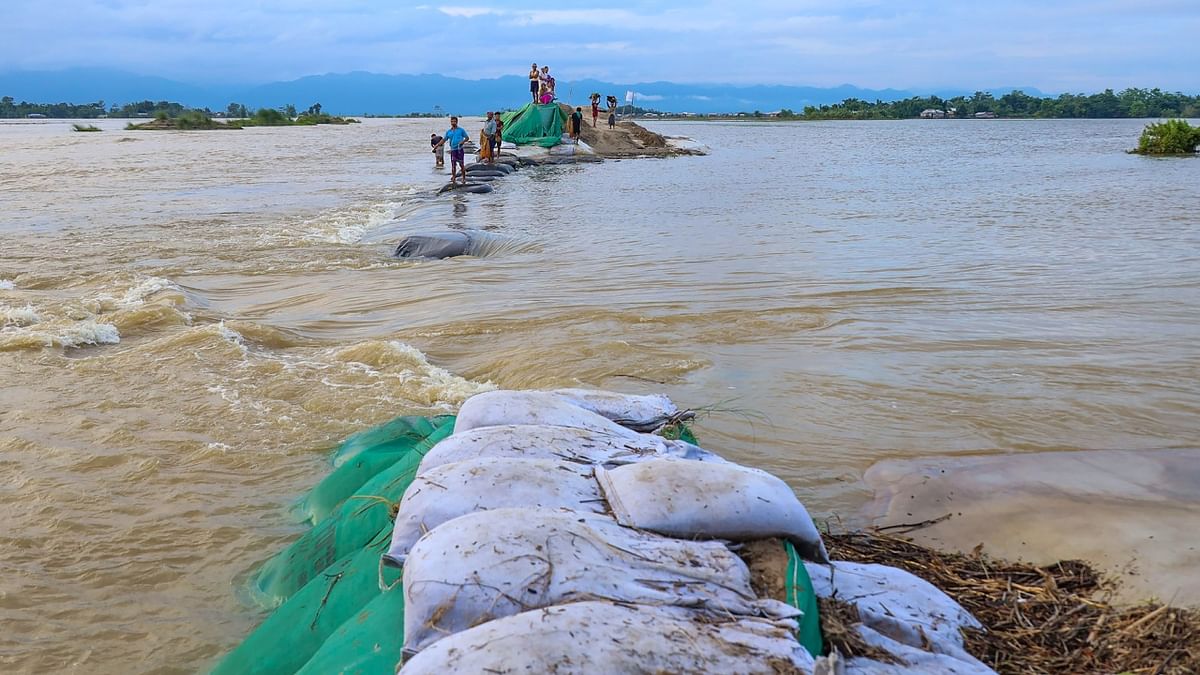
x: 534, y: 125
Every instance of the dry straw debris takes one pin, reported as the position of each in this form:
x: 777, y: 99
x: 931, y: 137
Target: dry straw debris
x: 1053, y: 619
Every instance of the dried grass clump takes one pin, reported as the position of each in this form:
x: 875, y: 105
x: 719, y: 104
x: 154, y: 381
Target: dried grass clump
x: 1052, y: 619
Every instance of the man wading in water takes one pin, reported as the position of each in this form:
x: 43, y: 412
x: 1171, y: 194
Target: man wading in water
x: 456, y: 136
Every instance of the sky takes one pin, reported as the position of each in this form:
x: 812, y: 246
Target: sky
x: 1052, y: 45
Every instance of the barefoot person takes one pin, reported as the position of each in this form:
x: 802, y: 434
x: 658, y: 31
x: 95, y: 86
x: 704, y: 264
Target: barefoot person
x: 535, y: 82
x: 489, y: 137
x: 456, y: 136
x: 435, y: 142
x: 576, y: 123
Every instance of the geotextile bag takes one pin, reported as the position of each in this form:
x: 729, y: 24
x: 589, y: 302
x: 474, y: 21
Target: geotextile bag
x: 600, y: 637
x: 494, y: 408
x: 641, y: 413
x: 898, y: 605
x: 452, y: 490
x: 491, y: 564
x: 530, y: 441
x: 702, y: 499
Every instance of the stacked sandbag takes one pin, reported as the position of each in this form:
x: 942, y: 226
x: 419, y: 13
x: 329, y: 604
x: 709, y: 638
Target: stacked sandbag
x: 552, y: 532
x: 509, y: 515
x: 601, y: 637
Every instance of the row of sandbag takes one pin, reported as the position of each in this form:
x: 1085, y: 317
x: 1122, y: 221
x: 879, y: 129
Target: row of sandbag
x: 542, y: 533
x: 325, y: 587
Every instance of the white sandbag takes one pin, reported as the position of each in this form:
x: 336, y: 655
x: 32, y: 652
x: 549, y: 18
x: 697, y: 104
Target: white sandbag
x: 599, y: 637
x: 452, y: 490
x: 911, y: 661
x: 641, y: 413
x: 700, y: 499
x: 897, y: 604
x: 494, y: 408
x: 492, y: 564
x: 582, y: 446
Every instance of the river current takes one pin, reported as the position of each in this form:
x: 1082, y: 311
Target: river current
x: 190, y: 321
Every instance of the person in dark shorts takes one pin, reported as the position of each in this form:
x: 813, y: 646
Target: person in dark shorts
x: 535, y: 82
x: 435, y: 143
x: 612, y: 120
x: 576, y: 123
x: 456, y: 136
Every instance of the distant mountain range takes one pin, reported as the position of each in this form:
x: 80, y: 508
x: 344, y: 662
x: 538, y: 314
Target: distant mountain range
x: 361, y: 93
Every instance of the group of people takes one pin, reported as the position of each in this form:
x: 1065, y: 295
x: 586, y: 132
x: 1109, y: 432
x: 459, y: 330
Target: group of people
x: 541, y: 84
x: 490, y: 140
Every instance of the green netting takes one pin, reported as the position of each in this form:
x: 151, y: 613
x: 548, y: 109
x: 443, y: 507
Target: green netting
x: 363, y: 456
x: 534, y: 125
x: 800, y: 594
x: 294, y: 632
x: 356, y: 521
x: 403, y: 427
x: 368, y: 643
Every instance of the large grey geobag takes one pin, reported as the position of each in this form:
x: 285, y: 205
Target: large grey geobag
x: 492, y: 564
x: 701, y: 499
x: 604, y: 638
x: 452, y: 490
x: 494, y: 408
x: 543, y: 441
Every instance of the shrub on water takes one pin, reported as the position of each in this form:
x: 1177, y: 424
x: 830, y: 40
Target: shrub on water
x: 1173, y: 137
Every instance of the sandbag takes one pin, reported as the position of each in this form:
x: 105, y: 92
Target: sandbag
x: 702, y: 499
x: 491, y: 564
x: 897, y: 604
x: 452, y: 490
x: 913, y: 661
x: 495, y: 408
x: 599, y: 637
x: 532, y: 441
x: 292, y: 633
x: 640, y: 413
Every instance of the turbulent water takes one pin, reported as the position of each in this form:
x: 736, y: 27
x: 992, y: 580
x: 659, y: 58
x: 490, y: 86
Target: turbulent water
x: 189, y: 321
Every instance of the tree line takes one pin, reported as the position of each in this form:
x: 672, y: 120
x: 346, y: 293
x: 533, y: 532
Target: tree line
x: 11, y: 109
x: 1106, y: 104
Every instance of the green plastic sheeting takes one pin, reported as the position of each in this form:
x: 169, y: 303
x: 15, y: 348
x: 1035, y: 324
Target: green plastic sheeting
x: 363, y: 456
x: 534, y: 125
x: 800, y: 594
x: 356, y: 521
x: 294, y: 632
x: 368, y: 643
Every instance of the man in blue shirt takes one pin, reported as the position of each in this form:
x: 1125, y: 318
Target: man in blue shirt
x: 456, y: 136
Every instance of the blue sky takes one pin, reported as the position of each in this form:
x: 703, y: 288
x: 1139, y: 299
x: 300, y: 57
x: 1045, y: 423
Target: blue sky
x: 1068, y: 45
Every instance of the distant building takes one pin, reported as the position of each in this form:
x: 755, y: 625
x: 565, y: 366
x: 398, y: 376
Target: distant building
x: 933, y: 114
x: 985, y: 115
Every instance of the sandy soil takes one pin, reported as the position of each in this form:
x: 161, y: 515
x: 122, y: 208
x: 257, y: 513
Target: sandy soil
x: 628, y: 139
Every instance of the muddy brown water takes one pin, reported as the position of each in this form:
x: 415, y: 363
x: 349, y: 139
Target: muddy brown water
x: 189, y: 321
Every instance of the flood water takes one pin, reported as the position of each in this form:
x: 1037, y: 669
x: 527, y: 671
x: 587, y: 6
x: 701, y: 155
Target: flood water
x: 189, y: 321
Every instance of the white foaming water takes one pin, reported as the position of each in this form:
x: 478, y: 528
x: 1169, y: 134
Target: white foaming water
x: 6, y: 285
x: 137, y: 295
x: 79, y: 334
x: 18, y: 316
x: 348, y: 225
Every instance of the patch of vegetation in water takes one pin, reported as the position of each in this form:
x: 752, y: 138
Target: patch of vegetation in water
x: 189, y: 120
x: 81, y: 127
x: 270, y: 117
x: 1173, y: 137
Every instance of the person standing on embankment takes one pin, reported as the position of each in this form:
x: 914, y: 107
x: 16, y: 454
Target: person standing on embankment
x: 456, y: 136
x: 576, y: 123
